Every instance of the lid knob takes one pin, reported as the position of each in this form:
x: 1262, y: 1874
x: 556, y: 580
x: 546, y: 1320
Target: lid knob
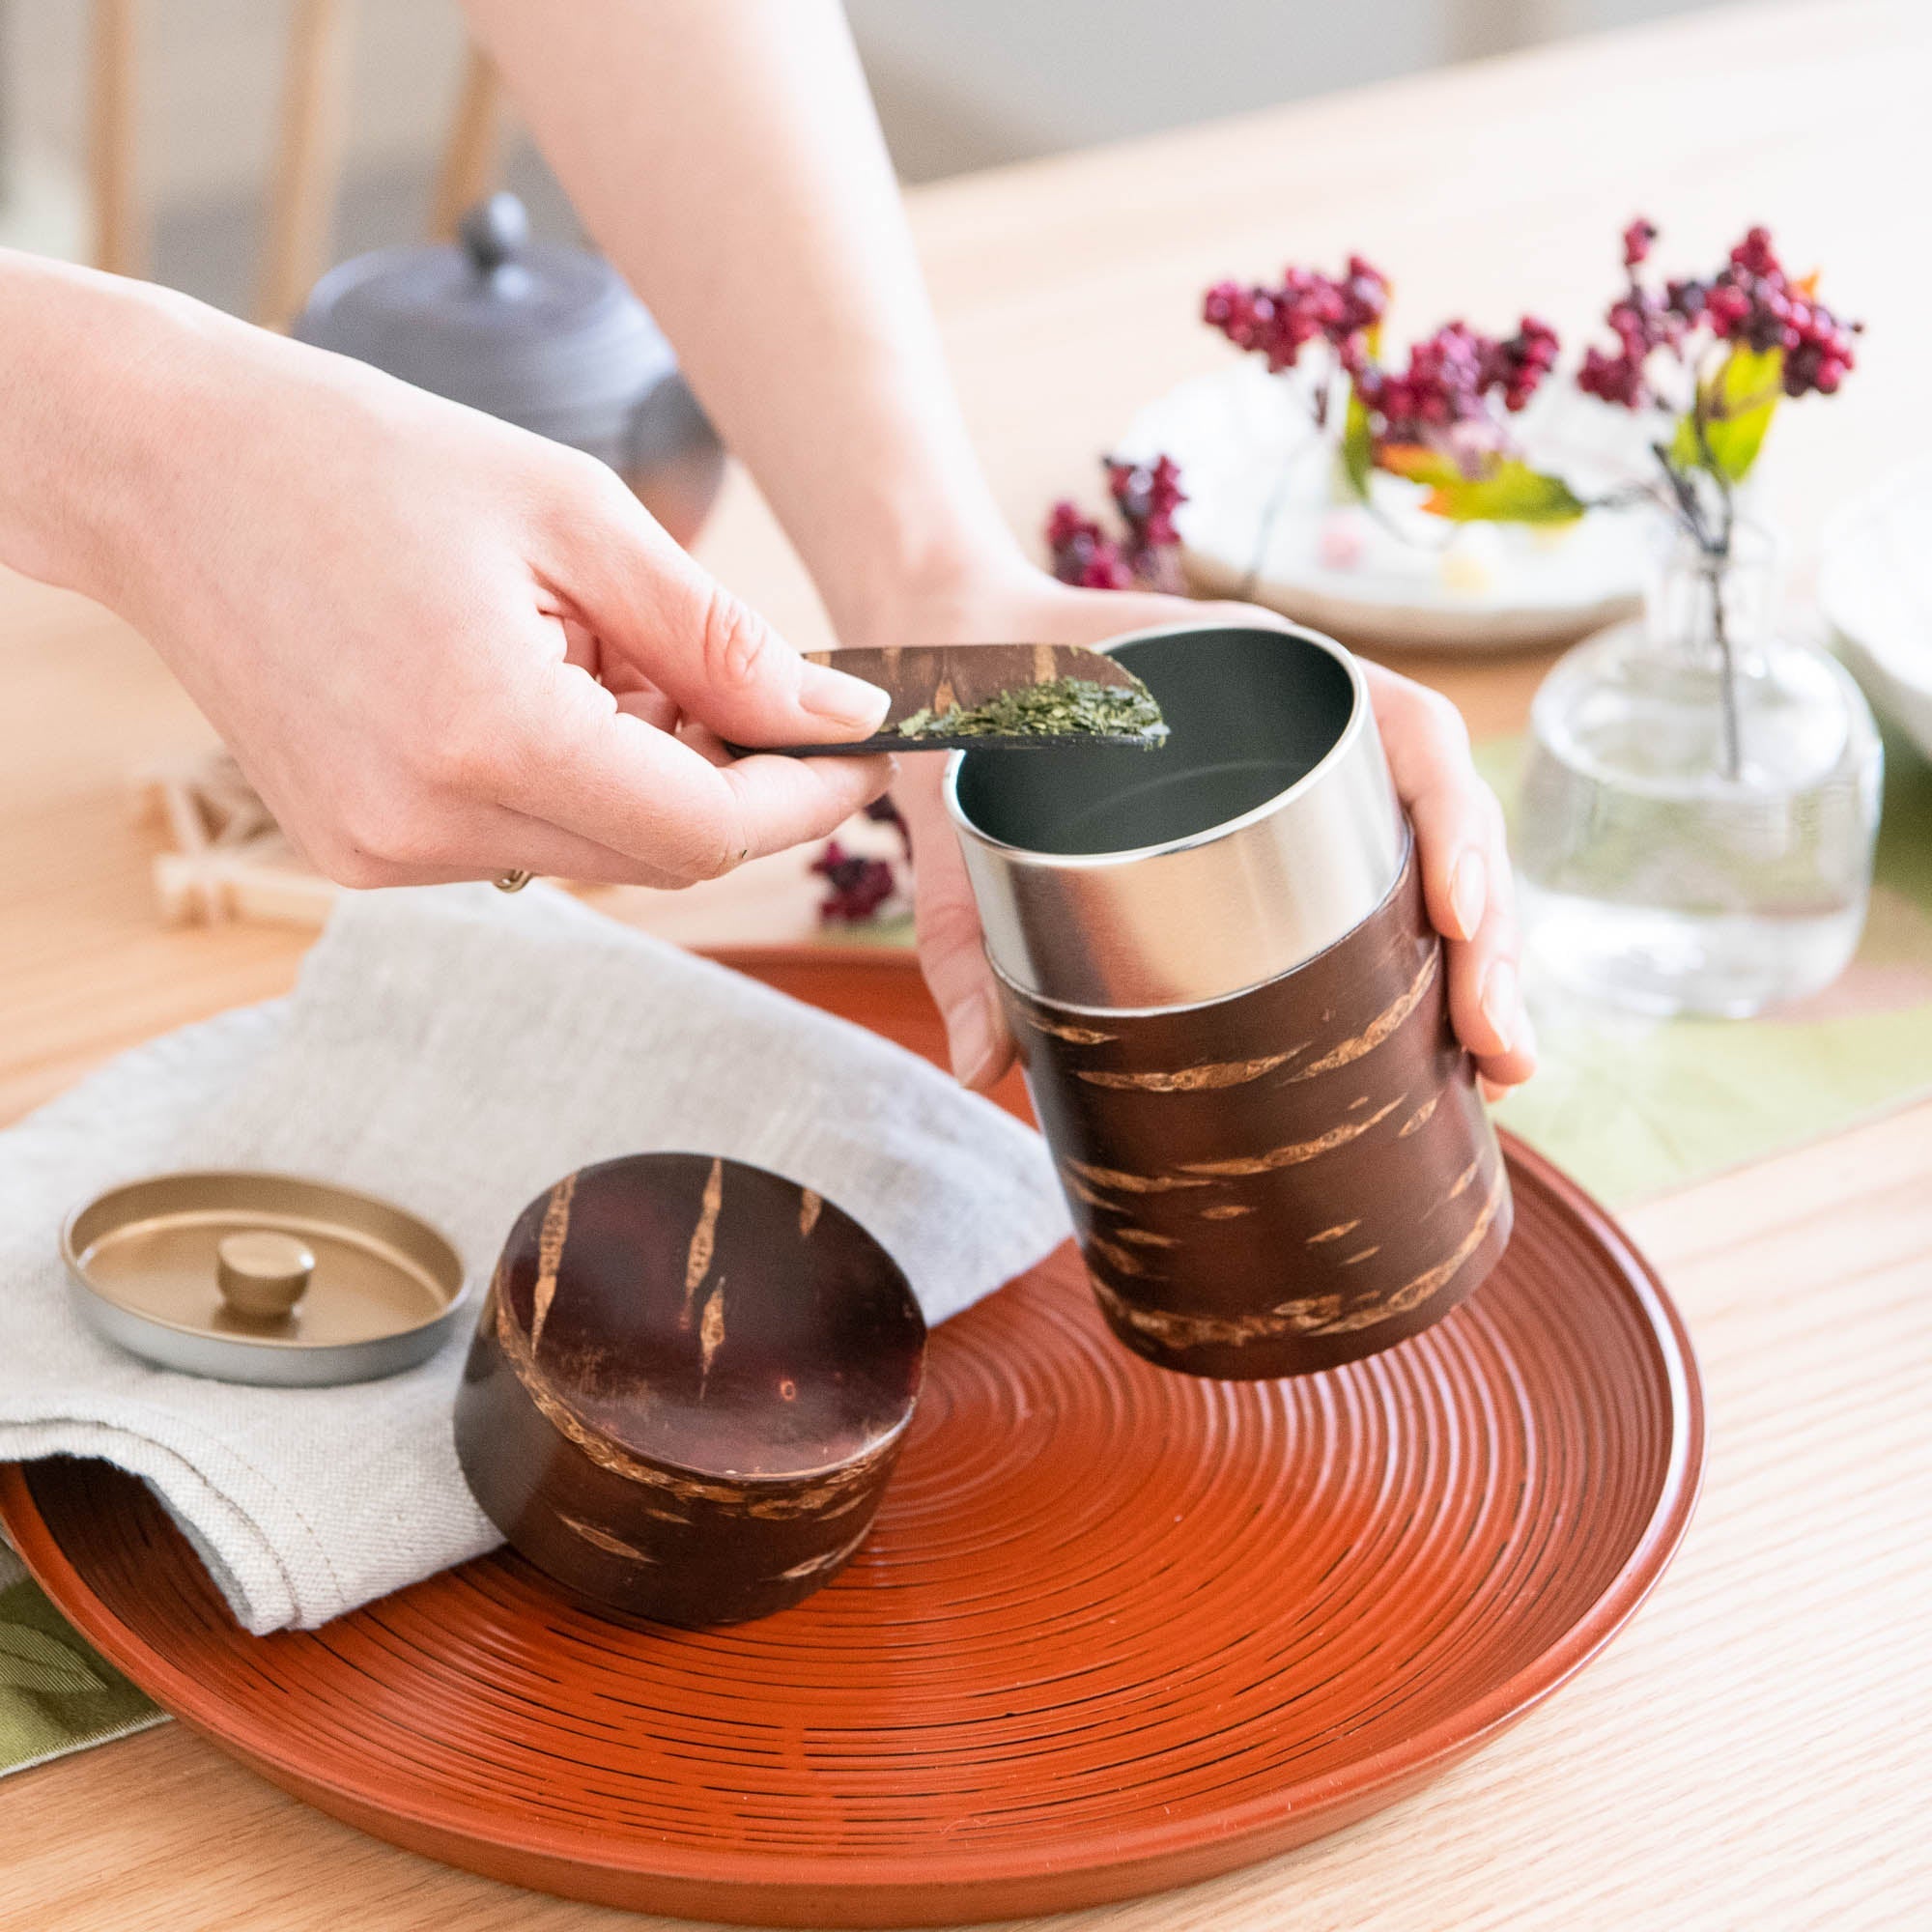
x: 494, y: 231
x: 262, y: 1274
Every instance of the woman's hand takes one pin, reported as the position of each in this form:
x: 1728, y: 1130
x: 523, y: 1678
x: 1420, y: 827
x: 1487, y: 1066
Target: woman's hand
x: 440, y: 647
x: 1459, y: 826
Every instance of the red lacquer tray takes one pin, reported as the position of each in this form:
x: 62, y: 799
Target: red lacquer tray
x: 1116, y: 1629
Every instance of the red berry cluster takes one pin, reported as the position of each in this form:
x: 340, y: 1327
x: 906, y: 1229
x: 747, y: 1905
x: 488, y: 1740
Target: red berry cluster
x: 1307, y: 306
x: 1146, y: 496
x: 1517, y: 364
x: 1082, y: 552
x: 1450, y: 379
x: 856, y: 886
x: 883, y: 812
x: 1753, y: 301
x: 1641, y: 321
x: 1451, y: 375
x: 861, y: 886
x: 1750, y: 302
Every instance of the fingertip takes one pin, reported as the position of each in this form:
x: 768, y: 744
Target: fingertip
x: 851, y: 785
x: 1526, y: 1047
x: 976, y: 1040
x: 1499, y: 1003
x: 784, y: 801
x: 1468, y: 894
x: 1501, y: 1073
x: 991, y: 1072
x: 848, y: 702
x: 851, y: 772
x: 863, y: 778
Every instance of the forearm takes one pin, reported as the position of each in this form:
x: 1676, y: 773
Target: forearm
x: 116, y: 396
x: 73, y: 348
x: 726, y: 158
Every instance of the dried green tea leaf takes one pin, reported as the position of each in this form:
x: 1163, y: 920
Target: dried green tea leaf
x: 1061, y: 707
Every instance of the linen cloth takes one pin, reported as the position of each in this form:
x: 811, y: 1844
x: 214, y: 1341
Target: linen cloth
x: 458, y: 1051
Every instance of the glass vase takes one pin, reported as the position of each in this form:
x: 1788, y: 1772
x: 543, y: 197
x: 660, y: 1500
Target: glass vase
x: 1696, y: 828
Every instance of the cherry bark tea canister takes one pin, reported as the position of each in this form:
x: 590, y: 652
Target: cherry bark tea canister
x: 687, y: 1388
x: 1231, y: 1010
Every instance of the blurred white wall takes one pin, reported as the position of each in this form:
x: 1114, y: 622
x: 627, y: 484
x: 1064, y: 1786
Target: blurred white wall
x: 967, y: 85
x: 961, y: 84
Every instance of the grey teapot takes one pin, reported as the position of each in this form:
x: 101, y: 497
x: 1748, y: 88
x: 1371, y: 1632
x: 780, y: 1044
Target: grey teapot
x: 543, y: 336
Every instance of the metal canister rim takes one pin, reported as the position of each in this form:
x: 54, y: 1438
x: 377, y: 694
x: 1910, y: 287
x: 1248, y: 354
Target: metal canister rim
x: 1209, y: 913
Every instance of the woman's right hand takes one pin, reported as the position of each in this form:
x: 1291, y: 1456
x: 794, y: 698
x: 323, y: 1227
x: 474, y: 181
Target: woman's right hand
x: 440, y: 647
x: 1459, y: 824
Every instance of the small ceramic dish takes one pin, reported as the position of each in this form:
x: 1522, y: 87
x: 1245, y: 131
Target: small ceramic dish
x: 689, y: 1388
x: 1263, y: 521
x: 1875, y: 587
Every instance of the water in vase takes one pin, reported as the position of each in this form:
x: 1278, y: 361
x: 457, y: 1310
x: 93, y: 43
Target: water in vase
x: 1682, y: 851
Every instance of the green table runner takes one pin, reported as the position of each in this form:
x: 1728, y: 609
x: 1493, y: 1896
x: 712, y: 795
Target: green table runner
x: 1632, y: 1107
x: 55, y: 1695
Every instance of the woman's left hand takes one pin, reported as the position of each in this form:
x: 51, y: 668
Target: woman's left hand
x: 1459, y: 824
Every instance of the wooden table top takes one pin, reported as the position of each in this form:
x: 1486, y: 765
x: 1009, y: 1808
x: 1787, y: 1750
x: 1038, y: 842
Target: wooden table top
x: 1751, y: 1750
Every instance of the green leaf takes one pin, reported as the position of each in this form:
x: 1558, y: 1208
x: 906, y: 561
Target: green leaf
x: 32, y: 1661
x: 1513, y: 493
x: 1358, y: 446
x: 1735, y: 408
x: 1508, y: 491
x: 1419, y: 464
x: 1358, y: 439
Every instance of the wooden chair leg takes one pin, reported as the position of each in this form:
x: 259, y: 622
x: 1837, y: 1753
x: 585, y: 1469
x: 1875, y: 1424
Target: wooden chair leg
x: 468, y: 166
x: 119, y: 245
x: 307, y: 162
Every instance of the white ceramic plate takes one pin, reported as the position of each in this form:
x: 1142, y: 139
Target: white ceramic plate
x: 1875, y: 585
x: 1263, y: 520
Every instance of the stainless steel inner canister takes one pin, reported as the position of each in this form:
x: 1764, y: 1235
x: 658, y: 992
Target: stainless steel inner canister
x: 1263, y: 829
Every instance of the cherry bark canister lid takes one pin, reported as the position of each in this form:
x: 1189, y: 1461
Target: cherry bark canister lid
x: 1233, y: 1014
x: 687, y: 1388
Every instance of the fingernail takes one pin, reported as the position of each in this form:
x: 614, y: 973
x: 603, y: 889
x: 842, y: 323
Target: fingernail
x: 1525, y: 1030
x: 972, y: 1037
x: 1468, y: 886
x: 844, y: 699
x: 1501, y: 1003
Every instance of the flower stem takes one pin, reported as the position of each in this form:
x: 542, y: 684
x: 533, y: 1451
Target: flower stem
x: 1714, y: 542
x: 1270, y: 517
x: 1318, y: 418
x: 1734, y: 756
x: 1717, y: 551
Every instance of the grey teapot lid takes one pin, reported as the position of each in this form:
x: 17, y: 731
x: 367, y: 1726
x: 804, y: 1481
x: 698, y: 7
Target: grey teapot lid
x: 546, y: 336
